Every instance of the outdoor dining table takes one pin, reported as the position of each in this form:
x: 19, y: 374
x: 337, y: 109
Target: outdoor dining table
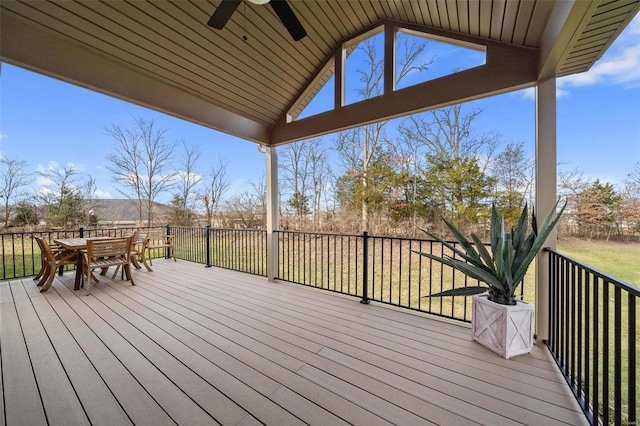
x: 77, y: 245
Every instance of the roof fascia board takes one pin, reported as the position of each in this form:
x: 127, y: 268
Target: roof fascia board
x: 508, y: 68
x: 30, y: 47
x: 564, y: 27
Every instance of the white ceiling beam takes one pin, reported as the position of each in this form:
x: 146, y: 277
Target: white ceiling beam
x: 47, y: 53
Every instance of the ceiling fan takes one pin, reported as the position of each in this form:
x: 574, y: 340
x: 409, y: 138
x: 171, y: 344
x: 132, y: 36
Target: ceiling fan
x: 226, y: 8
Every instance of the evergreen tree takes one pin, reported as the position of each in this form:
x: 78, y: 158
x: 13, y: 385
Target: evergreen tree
x: 458, y: 187
x: 598, y: 207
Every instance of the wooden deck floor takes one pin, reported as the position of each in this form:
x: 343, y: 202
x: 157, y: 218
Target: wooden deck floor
x: 195, y: 346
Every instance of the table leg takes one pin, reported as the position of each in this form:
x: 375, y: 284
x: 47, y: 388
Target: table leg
x: 78, y: 272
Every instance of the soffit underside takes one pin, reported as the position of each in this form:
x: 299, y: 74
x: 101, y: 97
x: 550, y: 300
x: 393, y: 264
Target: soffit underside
x: 258, y: 80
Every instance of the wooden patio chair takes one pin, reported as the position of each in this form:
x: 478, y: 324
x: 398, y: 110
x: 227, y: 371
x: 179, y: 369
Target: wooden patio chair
x: 156, y: 240
x: 52, y: 259
x: 137, y: 242
x: 105, y: 253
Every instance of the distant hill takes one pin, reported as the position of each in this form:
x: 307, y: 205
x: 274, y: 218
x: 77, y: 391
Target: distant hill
x: 125, y: 212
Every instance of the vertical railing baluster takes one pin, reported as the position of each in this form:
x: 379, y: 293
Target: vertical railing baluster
x: 605, y: 352
x: 4, y: 256
x: 596, y: 348
x: 168, y: 256
x: 572, y: 325
x: 588, y: 368
x: 632, y: 366
x: 207, y: 236
x: 365, y: 268
x: 617, y: 356
x: 581, y: 324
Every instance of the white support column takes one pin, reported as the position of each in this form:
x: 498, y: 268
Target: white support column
x: 273, y: 218
x: 545, y: 193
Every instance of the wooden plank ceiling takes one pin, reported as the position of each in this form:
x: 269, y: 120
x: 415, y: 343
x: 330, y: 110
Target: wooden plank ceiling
x: 261, y: 78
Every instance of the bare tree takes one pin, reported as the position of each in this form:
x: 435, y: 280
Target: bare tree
x: 632, y: 182
x: 449, y: 134
x: 410, y: 158
x: 186, y: 180
x: 514, y: 175
x: 320, y: 173
x: 141, y: 163
x: 358, y: 148
x: 630, y: 205
x: 248, y: 209
x: 294, y: 164
x: 571, y: 183
x: 13, y: 177
x: 215, y: 186
x: 61, y: 196
x: 88, y: 190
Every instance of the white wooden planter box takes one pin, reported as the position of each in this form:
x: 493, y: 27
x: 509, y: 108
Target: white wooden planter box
x: 505, y: 329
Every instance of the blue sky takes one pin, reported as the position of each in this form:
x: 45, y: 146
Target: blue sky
x: 50, y: 123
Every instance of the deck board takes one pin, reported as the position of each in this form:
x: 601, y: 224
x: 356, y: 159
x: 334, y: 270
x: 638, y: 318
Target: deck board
x: 22, y: 403
x: 56, y: 392
x: 194, y: 345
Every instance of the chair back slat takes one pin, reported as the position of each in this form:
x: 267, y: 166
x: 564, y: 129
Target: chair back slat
x: 113, y: 247
x: 44, y: 248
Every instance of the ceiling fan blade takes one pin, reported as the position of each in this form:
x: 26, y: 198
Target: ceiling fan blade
x: 288, y: 18
x: 223, y: 13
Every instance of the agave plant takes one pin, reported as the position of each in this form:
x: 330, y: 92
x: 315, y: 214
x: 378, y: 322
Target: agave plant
x: 511, y: 254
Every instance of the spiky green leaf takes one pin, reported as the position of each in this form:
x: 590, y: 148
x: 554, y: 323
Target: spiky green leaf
x: 540, y: 238
x: 462, y: 240
x: 483, y: 252
x: 462, y: 291
x: 511, y: 254
x: 495, y: 231
x: 444, y: 243
x: 520, y: 231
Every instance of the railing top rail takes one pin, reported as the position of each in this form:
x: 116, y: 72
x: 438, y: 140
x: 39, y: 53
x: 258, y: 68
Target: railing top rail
x: 386, y: 237
x: 616, y: 282
x: 233, y: 229
x: 331, y: 234
x: 187, y: 227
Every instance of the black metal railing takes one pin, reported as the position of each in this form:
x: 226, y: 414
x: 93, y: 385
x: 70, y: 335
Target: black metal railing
x: 383, y: 269
x: 20, y: 255
x: 243, y: 250
x: 592, y: 325
x: 593, y: 337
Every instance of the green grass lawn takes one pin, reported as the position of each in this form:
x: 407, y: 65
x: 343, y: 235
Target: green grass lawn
x: 620, y: 260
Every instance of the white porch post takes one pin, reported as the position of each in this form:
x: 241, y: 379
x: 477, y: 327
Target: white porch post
x: 545, y: 193
x: 273, y: 218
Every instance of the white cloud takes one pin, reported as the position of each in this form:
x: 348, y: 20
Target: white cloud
x: 43, y: 192
x: 528, y: 93
x: 102, y: 194
x: 79, y: 167
x: 620, y: 65
x: 43, y: 181
x: 4, y: 136
x: 50, y: 166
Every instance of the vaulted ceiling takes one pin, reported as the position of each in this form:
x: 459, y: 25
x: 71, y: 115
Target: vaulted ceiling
x: 161, y: 54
